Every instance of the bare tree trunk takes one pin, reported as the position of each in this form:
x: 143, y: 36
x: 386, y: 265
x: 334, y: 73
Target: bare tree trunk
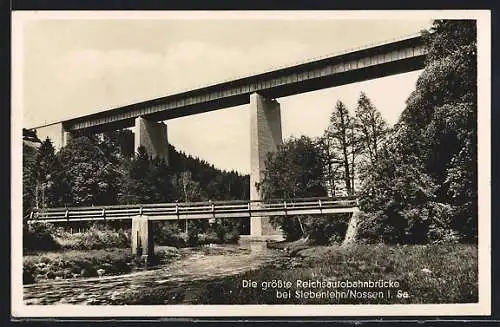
x: 37, y: 200
x: 353, y: 156
x: 352, y: 175
x: 301, y: 226
x: 333, y: 185
x: 347, y: 176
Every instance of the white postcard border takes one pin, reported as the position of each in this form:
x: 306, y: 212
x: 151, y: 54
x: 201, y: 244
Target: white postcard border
x: 483, y: 307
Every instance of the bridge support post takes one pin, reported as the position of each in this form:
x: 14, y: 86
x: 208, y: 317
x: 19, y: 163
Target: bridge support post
x: 151, y: 135
x: 142, y: 237
x: 56, y: 133
x: 265, y: 136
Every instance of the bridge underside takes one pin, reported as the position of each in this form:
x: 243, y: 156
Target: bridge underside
x: 295, y: 85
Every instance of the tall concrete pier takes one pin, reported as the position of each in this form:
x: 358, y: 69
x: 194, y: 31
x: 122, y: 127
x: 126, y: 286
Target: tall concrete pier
x: 265, y: 136
x: 152, y: 136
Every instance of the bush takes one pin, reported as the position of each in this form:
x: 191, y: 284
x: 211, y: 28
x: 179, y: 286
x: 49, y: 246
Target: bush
x: 223, y: 231
x: 319, y: 229
x: 170, y: 235
x: 88, y: 270
x: 208, y: 238
x: 193, y: 237
x: 38, y: 237
x: 440, y: 235
x: 374, y: 227
x: 289, y: 225
x: 232, y: 237
x: 226, y: 231
x: 418, y: 225
x: 29, y: 273
x: 211, y: 237
x: 95, y: 238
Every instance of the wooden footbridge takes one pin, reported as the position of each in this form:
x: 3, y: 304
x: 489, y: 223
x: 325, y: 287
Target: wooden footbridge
x: 142, y: 215
x: 198, y: 210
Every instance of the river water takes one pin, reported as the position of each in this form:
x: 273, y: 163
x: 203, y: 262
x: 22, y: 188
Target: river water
x: 195, y: 265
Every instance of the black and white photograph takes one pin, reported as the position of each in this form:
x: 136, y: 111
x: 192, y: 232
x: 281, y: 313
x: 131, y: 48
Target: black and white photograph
x: 246, y: 163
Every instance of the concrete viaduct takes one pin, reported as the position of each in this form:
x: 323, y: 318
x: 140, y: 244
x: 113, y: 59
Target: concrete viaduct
x: 261, y: 90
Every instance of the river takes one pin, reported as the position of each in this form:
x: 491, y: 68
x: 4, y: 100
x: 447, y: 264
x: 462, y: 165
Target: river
x: 196, y: 265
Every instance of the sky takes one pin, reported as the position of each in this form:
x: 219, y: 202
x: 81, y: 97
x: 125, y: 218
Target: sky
x: 73, y: 67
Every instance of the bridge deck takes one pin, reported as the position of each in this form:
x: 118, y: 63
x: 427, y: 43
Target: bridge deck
x: 374, y: 61
x: 201, y: 210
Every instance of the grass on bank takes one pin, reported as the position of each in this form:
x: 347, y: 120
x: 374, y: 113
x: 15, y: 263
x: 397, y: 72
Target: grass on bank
x: 429, y: 273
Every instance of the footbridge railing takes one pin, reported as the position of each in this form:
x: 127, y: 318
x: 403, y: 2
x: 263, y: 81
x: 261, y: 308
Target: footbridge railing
x: 198, y: 210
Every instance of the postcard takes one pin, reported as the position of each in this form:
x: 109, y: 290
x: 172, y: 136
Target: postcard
x: 251, y: 163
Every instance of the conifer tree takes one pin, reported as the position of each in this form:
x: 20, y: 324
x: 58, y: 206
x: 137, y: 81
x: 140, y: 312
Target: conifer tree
x: 340, y: 142
x: 29, y: 179
x: 140, y: 187
x: 371, y: 128
x: 50, y: 179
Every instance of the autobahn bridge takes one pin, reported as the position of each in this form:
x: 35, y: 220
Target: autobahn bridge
x: 142, y: 215
x: 260, y: 91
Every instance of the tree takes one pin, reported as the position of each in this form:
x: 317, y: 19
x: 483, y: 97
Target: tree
x: 189, y: 190
x: 436, y: 138
x: 29, y: 178
x: 371, y: 127
x: 447, y: 94
x: 397, y: 195
x: 340, y: 140
x: 214, y: 183
x: 120, y: 143
x: 139, y: 186
x: 295, y: 170
x: 92, y: 177
x: 161, y: 180
x: 148, y: 180
x: 217, y: 188
x: 51, y: 187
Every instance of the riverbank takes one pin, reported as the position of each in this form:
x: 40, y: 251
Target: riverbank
x: 236, y: 274
x: 52, y: 253
x: 405, y: 274
x: 177, y: 278
x: 68, y: 264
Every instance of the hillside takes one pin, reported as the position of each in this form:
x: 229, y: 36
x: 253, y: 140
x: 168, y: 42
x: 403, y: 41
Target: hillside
x: 210, y: 182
